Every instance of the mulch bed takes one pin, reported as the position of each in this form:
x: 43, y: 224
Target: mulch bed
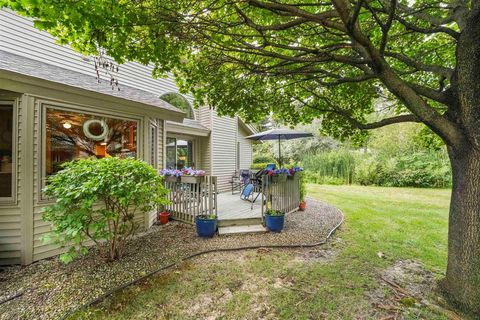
x: 51, y: 289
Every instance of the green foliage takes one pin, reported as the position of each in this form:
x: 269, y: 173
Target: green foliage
x: 259, y: 166
x: 264, y: 159
x: 337, y: 165
x: 207, y: 217
x: 225, y: 61
x: 178, y: 101
x: 427, y: 139
x: 97, y: 200
x: 422, y: 169
x: 272, y: 212
x: 303, y: 185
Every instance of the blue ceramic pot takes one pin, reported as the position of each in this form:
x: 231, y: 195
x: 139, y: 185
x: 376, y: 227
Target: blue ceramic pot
x: 206, y: 228
x: 275, y: 223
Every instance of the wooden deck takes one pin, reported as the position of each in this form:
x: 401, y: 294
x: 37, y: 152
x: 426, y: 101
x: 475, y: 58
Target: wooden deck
x: 231, y: 207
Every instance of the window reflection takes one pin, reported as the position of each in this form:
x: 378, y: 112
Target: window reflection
x: 72, y: 135
x: 6, y: 150
x: 179, y: 153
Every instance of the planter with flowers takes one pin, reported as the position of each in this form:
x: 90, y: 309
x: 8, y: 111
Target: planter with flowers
x: 294, y: 173
x: 192, y: 176
x: 274, y: 220
x: 278, y: 175
x: 206, y: 225
x: 171, y: 175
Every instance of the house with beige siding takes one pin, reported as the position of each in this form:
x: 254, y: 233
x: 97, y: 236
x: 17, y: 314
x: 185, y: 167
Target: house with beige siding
x: 53, y: 109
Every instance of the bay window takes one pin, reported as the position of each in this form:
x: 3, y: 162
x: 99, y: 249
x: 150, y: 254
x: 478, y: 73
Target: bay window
x: 71, y: 135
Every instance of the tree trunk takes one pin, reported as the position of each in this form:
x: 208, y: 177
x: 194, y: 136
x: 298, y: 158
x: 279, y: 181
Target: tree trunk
x: 462, y: 283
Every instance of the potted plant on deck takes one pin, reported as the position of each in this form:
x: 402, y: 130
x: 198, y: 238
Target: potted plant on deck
x: 192, y: 176
x: 274, y: 219
x: 206, y: 225
x: 171, y: 175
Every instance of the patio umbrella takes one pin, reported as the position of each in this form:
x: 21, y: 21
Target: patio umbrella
x: 279, y: 134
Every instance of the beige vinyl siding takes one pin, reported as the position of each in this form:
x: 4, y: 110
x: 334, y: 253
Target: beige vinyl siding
x: 205, y: 147
x: 11, y: 213
x: 224, y: 136
x: 18, y: 36
x: 246, y: 148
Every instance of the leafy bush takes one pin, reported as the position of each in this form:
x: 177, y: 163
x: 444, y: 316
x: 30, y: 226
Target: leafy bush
x: 421, y: 169
x: 259, y: 166
x: 97, y: 200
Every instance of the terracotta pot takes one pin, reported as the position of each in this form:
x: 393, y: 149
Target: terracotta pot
x: 302, y: 206
x: 164, y: 217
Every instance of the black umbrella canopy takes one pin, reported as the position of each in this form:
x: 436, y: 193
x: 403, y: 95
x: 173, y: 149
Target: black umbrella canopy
x: 279, y: 134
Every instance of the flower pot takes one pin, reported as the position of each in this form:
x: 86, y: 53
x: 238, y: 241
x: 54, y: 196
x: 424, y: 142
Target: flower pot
x: 275, y: 223
x: 302, y: 206
x: 164, y: 217
x: 279, y: 178
x: 171, y: 179
x: 192, y: 179
x: 206, y: 228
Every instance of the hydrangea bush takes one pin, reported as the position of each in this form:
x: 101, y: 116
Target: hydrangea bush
x: 97, y: 201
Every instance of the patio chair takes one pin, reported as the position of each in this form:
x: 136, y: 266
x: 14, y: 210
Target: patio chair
x: 240, y: 180
x: 255, y: 185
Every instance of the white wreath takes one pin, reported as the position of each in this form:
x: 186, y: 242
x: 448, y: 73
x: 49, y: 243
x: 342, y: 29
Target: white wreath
x: 88, y: 134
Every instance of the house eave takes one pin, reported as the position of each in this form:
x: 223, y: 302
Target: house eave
x: 179, y: 128
x: 246, y: 126
x: 13, y: 81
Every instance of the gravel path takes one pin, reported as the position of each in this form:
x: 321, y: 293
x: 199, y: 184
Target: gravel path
x: 50, y: 288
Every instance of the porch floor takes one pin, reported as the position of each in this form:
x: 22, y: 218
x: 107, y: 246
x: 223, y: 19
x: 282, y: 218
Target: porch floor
x: 231, y: 207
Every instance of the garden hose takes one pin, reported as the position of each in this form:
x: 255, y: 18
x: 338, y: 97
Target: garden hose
x: 151, y: 273
x: 14, y: 296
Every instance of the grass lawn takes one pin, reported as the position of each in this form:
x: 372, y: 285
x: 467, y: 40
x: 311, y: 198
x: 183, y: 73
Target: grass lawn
x: 339, y: 281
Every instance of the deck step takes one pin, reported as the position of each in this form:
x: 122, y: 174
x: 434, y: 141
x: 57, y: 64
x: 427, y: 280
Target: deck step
x: 239, y: 222
x: 255, y: 228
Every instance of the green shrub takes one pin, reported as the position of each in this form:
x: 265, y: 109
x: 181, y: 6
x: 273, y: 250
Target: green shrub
x: 421, y: 169
x: 259, y: 166
x: 97, y: 200
x: 264, y: 159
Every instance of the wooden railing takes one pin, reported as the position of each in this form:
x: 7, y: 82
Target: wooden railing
x: 281, y: 195
x: 190, y: 199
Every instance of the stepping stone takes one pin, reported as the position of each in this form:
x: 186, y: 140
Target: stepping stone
x: 256, y: 228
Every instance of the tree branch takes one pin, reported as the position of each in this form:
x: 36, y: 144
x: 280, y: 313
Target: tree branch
x: 440, y: 70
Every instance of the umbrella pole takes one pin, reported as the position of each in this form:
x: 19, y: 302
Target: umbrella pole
x: 279, y: 153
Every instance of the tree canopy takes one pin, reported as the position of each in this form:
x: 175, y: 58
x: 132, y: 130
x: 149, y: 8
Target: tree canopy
x: 300, y: 59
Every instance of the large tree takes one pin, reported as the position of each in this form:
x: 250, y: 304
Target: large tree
x: 306, y: 59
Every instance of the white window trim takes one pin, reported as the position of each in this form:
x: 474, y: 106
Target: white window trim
x: 13, y: 199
